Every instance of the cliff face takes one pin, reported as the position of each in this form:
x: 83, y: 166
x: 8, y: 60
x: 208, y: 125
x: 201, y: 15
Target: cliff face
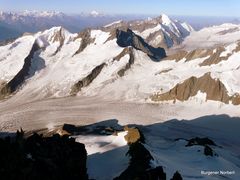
x: 129, y: 38
x: 214, y: 89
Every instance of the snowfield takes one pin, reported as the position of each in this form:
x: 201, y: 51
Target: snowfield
x: 212, y: 36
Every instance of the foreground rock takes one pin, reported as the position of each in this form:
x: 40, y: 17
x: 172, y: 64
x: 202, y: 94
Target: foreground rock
x: 39, y: 158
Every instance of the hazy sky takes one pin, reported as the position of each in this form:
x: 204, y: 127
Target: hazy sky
x: 171, y: 7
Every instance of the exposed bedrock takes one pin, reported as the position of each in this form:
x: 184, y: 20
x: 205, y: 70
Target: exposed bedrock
x: 126, y: 51
x: 59, y: 37
x: 87, y: 80
x: 23, y: 74
x: 214, y: 89
x: 129, y: 38
x: 212, y: 55
x: 85, y: 40
x: 36, y: 157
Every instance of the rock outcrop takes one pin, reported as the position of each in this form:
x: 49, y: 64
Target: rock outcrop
x: 85, y: 40
x: 21, y: 76
x: 200, y: 141
x: 215, y: 57
x: 139, y: 163
x: 208, y: 151
x: 205, y: 142
x: 214, y: 89
x: 211, y: 55
x: 191, y: 55
x: 87, y: 80
x: 134, y: 135
x: 37, y: 157
x: 129, y: 38
x: 236, y: 99
x: 59, y: 37
x: 177, y: 176
x: 126, y: 51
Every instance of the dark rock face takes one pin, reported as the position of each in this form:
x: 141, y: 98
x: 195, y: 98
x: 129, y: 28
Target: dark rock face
x: 19, y: 79
x: 129, y: 38
x: 87, y: 80
x: 131, y: 60
x: 139, y: 163
x: 206, y: 142
x: 177, y: 176
x: 200, y: 141
x: 208, y: 151
x: 155, y: 174
x: 37, y: 157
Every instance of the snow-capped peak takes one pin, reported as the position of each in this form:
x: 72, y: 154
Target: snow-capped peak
x: 95, y: 13
x: 40, y: 13
x: 165, y: 19
x: 113, y: 23
x: 32, y: 13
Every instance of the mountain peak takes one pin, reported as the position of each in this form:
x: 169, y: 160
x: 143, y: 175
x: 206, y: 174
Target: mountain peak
x: 165, y: 19
x: 95, y: 13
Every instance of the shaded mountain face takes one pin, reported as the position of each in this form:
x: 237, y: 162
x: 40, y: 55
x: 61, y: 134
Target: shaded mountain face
x: 120, y: 63
x: 128, y: 38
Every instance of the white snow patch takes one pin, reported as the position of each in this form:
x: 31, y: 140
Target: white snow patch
x: 113, y: 23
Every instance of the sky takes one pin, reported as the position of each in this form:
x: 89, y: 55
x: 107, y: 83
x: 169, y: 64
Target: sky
x: 221, y: 8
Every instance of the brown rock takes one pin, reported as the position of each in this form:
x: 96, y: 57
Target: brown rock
x: 214, y: 89
x: 177, y: 56
x: 215, y: 57
x: 133, y: 135
x: 236, y: 99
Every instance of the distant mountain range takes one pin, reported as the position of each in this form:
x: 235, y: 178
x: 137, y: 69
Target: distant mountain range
x: 14, y: 24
